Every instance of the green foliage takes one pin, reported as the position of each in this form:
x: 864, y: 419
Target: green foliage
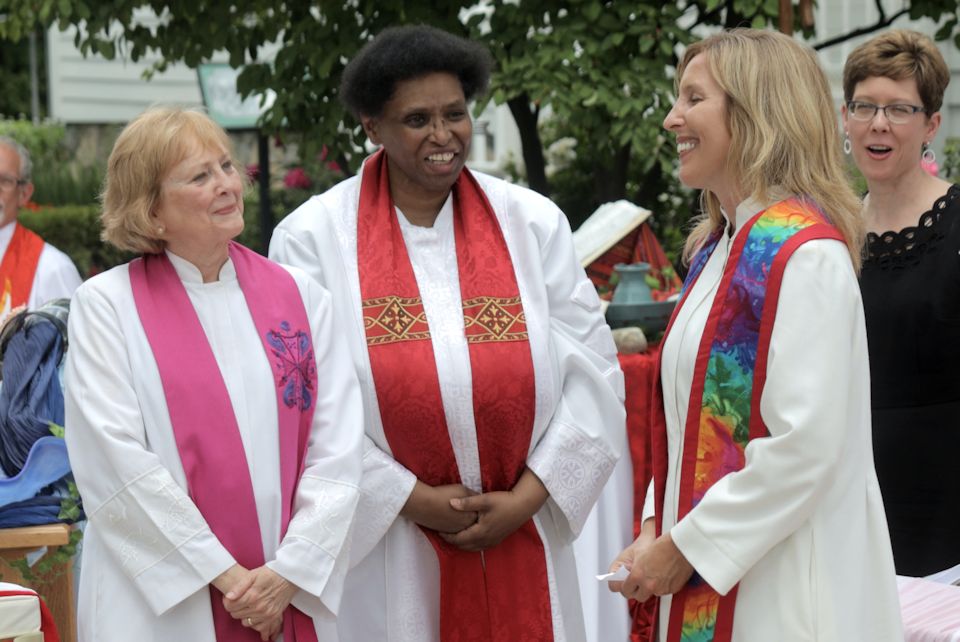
x: 75, y: 230
x: 15, y: 77
x: 950, y: 164
x: 603, y: 67
x: 44, y: 141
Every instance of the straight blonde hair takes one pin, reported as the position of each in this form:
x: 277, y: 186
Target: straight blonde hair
x: 146, y: 150
x: 783, y: 130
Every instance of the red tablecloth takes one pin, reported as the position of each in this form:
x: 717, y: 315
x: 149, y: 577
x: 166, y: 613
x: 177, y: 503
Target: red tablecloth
x: 638, y: 373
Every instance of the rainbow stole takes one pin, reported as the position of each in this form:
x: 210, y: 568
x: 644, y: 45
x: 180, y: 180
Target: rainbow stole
x: 729, y: 373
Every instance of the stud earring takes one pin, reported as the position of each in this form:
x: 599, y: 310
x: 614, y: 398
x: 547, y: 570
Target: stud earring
x: 160, y: 230
x: 847, y: 145
x: 928, y: 157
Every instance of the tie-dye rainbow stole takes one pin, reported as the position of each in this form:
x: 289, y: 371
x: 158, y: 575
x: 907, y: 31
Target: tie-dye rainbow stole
x: 723, y: 428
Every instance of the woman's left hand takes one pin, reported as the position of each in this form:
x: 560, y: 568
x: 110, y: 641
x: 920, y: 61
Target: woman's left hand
x: 263, y: 596
x: 499, y: 513
x: 658, y: 569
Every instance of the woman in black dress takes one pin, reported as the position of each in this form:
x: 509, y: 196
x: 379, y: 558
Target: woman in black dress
x: 893, y: 88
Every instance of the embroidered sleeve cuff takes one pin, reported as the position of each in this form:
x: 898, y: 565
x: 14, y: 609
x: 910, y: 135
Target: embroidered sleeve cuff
x: 574, y: 470
x: 185, y: 570
x: 712, y: 563
x: 314, y: 572
x: 384, y: 489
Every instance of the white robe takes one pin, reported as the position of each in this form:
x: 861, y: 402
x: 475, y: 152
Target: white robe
x: 56, y: 276
x: 801, y: 527
x: 392, y: 592
x: 148, y: 554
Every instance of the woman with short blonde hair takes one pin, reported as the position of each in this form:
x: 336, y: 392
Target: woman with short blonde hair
x: 149, y: 146
x: 213, y: 418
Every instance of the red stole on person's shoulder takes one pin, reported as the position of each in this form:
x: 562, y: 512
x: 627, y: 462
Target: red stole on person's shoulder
x: 204, y: 424
x: 502, y: 593
x: 730, y: 370
x: 19, y: 266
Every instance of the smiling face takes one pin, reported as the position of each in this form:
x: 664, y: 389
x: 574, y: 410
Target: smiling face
x: 425, y: 129
x: 699, y: 121
x: 201, y: 204
x: 883, y: 151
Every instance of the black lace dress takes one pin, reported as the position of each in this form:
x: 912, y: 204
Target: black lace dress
x: 911, y: 297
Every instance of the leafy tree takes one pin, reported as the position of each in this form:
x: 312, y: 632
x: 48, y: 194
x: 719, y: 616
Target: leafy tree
x: 602, y: 66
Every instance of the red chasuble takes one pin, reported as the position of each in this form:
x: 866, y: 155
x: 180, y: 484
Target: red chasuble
x: 501, y: 593
x: 204, y: 425
x: 728, y: 378
x: 19, y: 267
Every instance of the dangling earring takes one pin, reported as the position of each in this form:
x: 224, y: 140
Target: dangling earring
x: 928, y: 157
x: 847, y: 145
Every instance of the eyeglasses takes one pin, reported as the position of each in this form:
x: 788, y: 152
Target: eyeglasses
x: 898, y: 114
x: 8, y: 182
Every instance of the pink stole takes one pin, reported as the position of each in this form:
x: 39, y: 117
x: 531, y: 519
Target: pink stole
x: 481, y: 598
x: 204, y: 424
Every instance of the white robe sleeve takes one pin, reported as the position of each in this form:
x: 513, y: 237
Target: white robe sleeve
x: 804, y: 406
x: 315, y: 550
x: 146, y: 519
x: 582, y: 443
x: 56, y: 277
x: 385, y: 485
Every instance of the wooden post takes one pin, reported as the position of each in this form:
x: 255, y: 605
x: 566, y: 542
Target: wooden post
x: 786, y: 17
x: 56, y: 587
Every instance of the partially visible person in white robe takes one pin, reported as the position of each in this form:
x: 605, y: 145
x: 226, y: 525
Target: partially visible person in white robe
x: 393, y: 590
x: 764, y: 520
x: 32, y: 271
x: 149, y: 554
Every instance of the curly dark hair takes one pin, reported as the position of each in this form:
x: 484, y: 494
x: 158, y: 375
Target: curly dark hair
x: 411, y: 51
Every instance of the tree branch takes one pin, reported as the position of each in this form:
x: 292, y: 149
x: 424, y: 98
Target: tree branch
x: 882, y: 23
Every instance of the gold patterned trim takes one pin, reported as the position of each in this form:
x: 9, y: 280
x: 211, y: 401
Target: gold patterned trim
x: 391, y: 319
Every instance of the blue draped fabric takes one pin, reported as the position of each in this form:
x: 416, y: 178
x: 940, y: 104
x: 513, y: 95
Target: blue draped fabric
x: 30, y: 398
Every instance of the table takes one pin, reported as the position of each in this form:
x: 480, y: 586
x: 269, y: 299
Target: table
x: 57, y: 586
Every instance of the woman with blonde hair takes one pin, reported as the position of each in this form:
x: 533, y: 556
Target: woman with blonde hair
x: 893, y: 86
x: 765, y: 520
x: 213, y: 419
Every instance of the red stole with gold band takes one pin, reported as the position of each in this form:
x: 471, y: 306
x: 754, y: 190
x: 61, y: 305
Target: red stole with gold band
x: 204, y: 424
x: 729, y: 374
x: 482, y: 595
x: 19, y: 266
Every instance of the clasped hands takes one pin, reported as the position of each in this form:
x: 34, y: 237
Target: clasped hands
x: 472, y: 521
x: 656, y: 565
x: 258, y: 598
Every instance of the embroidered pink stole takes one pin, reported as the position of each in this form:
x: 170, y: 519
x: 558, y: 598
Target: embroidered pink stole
x: 481, y: 598
x: 729, y: 374
x: 19, y: 266
x: 204, y: 424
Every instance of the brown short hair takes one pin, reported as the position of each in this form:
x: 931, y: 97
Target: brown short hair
x: 899, y: 54
x: 147, y: 148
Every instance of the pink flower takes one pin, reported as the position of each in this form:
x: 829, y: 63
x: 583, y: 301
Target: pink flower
x: 253, y: 171
x: 931, y: 168
x: 296, y: 178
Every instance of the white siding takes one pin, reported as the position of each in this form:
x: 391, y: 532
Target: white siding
x: 94, y: 90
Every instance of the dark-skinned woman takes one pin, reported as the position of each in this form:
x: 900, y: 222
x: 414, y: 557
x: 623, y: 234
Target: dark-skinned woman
x: 493, y: 398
